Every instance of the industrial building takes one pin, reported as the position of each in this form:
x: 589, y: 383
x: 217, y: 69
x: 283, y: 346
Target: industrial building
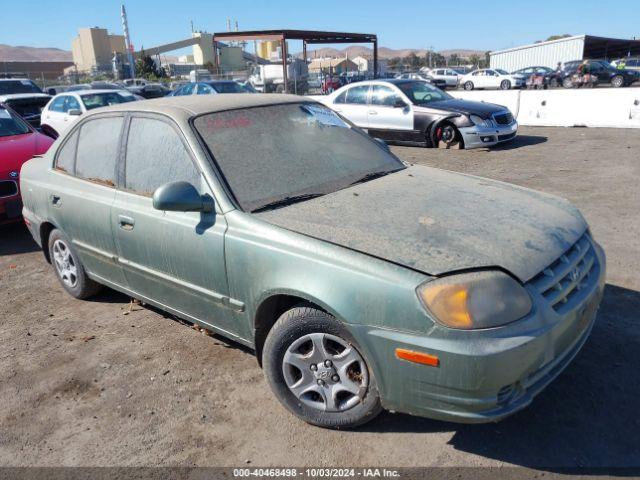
x: 93, y: 49
x: 548, y: 54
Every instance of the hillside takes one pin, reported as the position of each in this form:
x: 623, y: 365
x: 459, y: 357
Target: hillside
x: 33, y: 54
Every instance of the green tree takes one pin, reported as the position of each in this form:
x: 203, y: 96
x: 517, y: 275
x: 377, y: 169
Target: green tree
x: 557, y: 37
x: 474, y: 60
x: 145, y: 66
x: 454, y: 59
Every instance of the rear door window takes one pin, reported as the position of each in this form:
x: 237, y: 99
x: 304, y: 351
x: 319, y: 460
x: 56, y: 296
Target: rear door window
x: 98, y: 150
x: 156, y: 155
x: 58, y: 104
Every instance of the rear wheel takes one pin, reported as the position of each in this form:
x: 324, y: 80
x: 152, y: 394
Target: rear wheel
x: 318, y: 372
x: 505, y: 85
x: 567, y: 83
x: 553, y: 83
x: 68, y: 267
x: 468, y: 85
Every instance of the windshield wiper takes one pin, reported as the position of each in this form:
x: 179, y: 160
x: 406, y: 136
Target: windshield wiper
x: 283, y: 202
x: 371, y: 176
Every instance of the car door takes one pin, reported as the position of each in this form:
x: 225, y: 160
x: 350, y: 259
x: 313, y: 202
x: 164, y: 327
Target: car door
x: 352, y: 104
x: 80, y: 202
x: 479, y: 79
x: 385, y: 116
x: 175, y: 259
x: 491, y: 79
x: 70, y: 103
x: 54, y: 114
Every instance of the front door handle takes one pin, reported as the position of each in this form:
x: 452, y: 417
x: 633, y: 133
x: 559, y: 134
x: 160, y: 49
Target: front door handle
x: 373, y: 112
x: 126, y: 223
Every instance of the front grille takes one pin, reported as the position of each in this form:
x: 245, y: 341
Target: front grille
x: 566, y: 281
x: 503, y: 118
x: 8, y: 188
x: 507, y: 136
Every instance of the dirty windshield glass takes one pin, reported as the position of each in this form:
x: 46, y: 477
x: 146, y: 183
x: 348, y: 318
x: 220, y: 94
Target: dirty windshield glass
x: 270, y: 154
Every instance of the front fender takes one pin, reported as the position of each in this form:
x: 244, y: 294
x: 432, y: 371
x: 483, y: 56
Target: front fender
x: 264, y: 260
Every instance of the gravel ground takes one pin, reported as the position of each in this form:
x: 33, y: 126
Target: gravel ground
x: 104, y: 382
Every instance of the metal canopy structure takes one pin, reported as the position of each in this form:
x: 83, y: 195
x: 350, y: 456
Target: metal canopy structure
x: 609, y: 48
x: 308, y: 37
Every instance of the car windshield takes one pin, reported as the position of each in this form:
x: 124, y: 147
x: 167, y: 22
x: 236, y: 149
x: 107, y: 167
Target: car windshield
x: 9, y: 87
x: 228, y: 87
x: 274, y: 153
x: 421, y: 93
x: 95, y: 100
x: 11, y: 124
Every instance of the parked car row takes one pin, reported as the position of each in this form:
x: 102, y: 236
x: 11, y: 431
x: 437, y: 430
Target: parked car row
x: 350, y: 274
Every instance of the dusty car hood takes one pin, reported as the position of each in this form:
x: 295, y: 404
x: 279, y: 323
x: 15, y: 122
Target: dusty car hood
x: 469, y: 107
x: 436, y: 221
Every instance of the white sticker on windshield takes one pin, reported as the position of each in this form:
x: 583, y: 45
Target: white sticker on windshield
x: 325, y: 116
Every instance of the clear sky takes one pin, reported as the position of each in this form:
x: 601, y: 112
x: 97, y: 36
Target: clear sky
x: 444, y: 24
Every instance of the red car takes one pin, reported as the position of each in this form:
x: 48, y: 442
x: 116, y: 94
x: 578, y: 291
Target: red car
x: 18, y: 143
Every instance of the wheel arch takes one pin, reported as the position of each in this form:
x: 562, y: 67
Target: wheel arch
x: 46, y: 228
x: 272, y: 305
x: 455, y: 119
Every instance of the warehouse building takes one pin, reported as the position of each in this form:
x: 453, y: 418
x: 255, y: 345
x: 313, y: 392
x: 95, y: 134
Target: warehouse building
x: 548, y: 54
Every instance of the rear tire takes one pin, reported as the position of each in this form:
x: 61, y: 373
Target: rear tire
x: 553, y: 83
x: 505, y: 85
x: 68, y: 267
x: 317, y: 371
x: 567, y: 83
x: 468, y: 86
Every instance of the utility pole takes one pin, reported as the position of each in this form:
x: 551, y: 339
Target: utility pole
x: 127, y: 42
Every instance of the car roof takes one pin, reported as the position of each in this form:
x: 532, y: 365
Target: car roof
x: 185, y: 107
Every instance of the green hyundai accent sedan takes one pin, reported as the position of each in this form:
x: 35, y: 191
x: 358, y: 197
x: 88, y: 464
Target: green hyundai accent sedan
x: 361, y: 282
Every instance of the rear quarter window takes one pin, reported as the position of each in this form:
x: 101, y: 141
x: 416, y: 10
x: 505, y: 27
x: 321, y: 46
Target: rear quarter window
x: 66, y: 158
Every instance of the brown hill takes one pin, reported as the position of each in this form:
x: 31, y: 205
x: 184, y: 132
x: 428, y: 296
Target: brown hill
x: 9, y: 53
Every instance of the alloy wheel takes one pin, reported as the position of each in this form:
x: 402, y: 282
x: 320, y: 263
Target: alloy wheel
x: 65, y: 264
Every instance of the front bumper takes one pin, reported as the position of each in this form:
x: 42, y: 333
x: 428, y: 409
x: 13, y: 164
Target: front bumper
x: 483, y: 375
x: 478, y: 136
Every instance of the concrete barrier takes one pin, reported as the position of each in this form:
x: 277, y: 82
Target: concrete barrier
x: 605, y: 107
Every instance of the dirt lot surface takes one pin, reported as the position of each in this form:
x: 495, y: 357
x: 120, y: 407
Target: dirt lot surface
x: 93, y: 383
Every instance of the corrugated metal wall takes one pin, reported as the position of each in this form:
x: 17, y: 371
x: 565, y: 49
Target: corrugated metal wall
x: 546, y: 54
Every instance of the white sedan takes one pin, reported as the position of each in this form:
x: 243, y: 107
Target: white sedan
x: 449, y: 76
x: 65, y: 108
x: 491, y: 78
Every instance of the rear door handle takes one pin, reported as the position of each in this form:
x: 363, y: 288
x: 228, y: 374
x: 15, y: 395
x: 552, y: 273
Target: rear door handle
x: 56, y: 201
x: 126, y: 223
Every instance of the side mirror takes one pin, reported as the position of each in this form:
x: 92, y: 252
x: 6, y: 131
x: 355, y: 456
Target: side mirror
x: 399, y: 103
x: 74, y: 112
x: 181, y: 197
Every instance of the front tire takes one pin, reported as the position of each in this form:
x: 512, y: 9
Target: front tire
x: 468, y: 86
x: 68, y: 267
x: 448, y: 137
x: 317, y: 371
x: 617, y: 81
x: 567, y: 83
x: 505, y: 85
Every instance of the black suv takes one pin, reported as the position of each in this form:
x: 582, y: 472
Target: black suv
x: 603, y: 72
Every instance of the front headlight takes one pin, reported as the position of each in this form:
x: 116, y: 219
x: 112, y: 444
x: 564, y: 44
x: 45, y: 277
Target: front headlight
x: 480, y: 122
x: 475, y: 300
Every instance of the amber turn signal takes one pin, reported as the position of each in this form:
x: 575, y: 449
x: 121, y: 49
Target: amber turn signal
x: 417, y: 357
